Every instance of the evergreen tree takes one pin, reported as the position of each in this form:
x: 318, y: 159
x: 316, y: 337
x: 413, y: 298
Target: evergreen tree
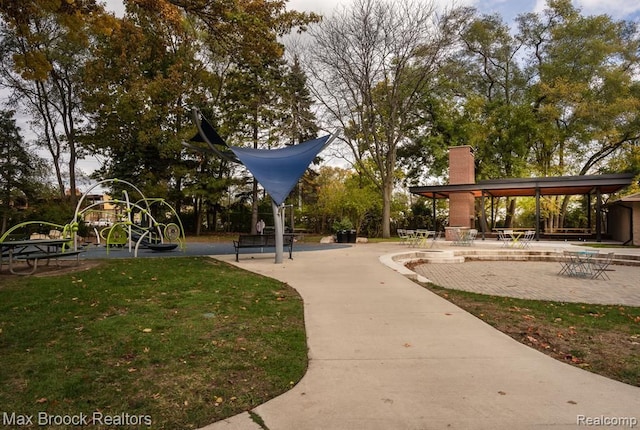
x: 20, y: 172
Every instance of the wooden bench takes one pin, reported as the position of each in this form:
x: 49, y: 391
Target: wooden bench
x: 568, y: 231
x: 262, y: 241
x: 34, y: 257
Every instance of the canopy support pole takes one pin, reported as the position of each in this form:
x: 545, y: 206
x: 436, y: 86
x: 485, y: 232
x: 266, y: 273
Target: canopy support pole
x: 598, y: 215
x: 537, y: 214
x: 278, y: 220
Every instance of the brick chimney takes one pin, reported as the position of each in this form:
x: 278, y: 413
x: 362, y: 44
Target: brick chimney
x: 461, y: 171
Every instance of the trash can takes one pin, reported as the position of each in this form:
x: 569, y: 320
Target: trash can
x: 351, y: 236
x: 341, y: 236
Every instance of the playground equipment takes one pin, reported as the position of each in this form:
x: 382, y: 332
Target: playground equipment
x: 57, y: 231
x: 148, y: 232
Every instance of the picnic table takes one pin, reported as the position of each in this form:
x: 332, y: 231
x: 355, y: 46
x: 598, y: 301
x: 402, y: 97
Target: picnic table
x: 32, y: 251
x: 420, y: 238
x: 516, y: 238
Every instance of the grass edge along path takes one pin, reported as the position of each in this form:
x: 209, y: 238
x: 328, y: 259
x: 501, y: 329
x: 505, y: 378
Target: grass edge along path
x: 603, y: 339
x: 177, y: 342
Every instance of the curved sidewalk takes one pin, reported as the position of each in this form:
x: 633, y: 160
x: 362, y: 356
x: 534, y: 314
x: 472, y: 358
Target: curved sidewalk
x: 388, y: 354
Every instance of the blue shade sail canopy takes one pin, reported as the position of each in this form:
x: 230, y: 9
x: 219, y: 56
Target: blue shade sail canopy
x: 207, y: 134
x: 278, y: 170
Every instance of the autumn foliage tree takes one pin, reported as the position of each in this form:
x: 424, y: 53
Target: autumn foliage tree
x: 139, y: 87
x: 44, y: 45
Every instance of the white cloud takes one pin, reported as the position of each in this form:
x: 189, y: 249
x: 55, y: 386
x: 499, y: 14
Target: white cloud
x: 115, y: 6
x: 617, y: 9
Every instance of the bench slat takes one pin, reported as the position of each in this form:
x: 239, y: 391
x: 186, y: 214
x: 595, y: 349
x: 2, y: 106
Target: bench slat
x: 47, y: 255
x: 35, y: 257
x: 261, y: 241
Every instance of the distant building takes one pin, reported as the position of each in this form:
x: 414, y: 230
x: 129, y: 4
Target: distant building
x: 101, y: 209
x: 624, y: 219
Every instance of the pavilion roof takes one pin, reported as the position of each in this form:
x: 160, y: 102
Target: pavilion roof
x: 516, y: 187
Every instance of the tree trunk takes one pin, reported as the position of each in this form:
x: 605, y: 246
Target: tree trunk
x: 511, y: 210
x: 481, y: 211
x: 198, y: 217
x: 387, y: 197
x: 563, y: 211
x: 254, y: 207
x: 73, y: 192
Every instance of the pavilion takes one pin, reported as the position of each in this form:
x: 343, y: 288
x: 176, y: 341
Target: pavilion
x: 463, y: 190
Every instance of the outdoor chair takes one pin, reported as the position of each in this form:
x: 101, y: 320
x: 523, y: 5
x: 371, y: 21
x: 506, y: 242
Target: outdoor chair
x: 457, y: 237
x: 525, y: 242
x: 503, y: 238
x: 565, y: 263
x: 402, y: 235
x: 464, y: 237
x: 600, y: 265
x: 471, y: 237
x: 436, y: 236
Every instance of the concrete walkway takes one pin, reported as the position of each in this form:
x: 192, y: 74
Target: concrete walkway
x: 387, y: 354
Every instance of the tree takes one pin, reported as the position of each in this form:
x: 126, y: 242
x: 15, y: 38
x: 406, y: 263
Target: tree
x: 585, y: 90
x: 251, y: 94
x: 44, y: 45
x: 139, y: 88
x: 370, y: 66
x: 20, y: 171
x: 497, y: 118
x: 495, y: 88
x: 298, y: 121
x: 344, y: 195
x: 559, y: 96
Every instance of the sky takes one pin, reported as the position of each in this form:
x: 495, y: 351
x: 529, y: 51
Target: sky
x: 509, y: 9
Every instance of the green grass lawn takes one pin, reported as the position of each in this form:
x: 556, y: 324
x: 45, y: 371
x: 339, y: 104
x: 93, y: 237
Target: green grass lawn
x: 603, y: 339
x: 182, y: 342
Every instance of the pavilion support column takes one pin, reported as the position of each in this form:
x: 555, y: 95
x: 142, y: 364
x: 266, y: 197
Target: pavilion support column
x: 537, y: 214
x: 589, y: 210
x: 493, y: 213
x: 484, y: 215
x: 433, y: 213
x: 461, y: 210
x: 598, y: 215
x: 461, y: 204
